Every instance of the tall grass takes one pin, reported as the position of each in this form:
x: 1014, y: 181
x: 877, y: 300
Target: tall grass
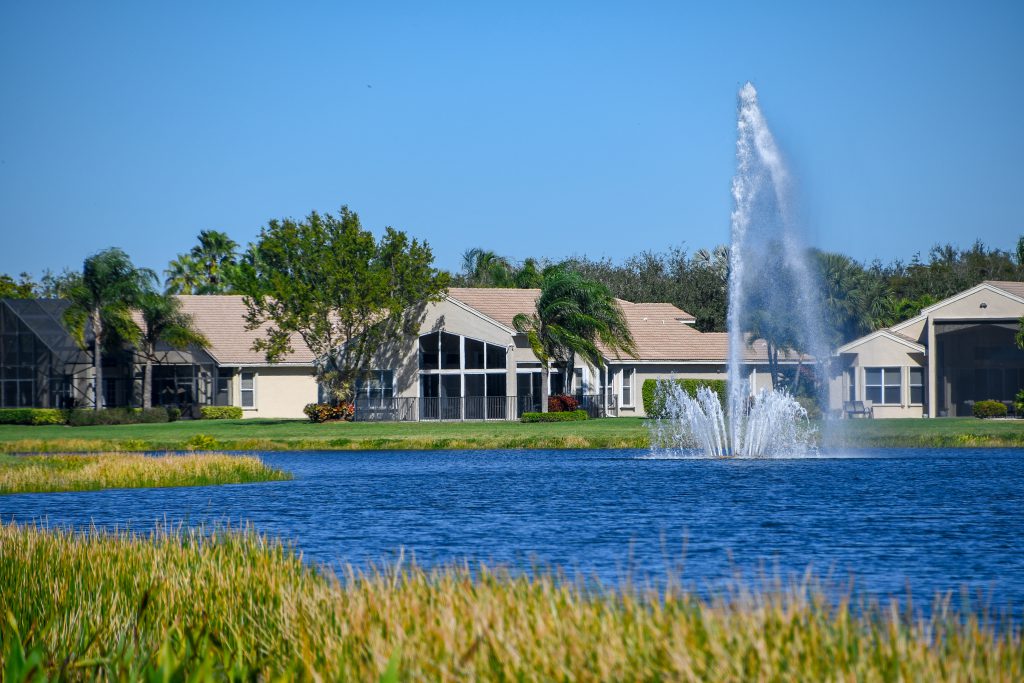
x: 48, y: 473
x: 237, y: 605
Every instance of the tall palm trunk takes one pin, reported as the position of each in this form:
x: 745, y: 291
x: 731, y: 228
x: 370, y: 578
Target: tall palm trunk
x: 147, y: 385
x: 545, y: 372
x: 97, y: 361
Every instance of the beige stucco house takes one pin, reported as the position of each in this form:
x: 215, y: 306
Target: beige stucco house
x: 466, y: 363
x: 939, y: 363
x: 469, y: 362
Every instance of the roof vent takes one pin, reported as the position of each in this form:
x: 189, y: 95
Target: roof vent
x: 983, y: 305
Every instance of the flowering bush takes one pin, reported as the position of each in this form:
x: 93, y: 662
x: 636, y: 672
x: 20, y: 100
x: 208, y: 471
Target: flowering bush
x: 324, y: 412
x: 562, y: 403
x: 985, y: 409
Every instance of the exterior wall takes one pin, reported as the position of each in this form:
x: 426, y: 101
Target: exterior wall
x: 880, y: 352
x: 281, y: 391
x: 997, y: 306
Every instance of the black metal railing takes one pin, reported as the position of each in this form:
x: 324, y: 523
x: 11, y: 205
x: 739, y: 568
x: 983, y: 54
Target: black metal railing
x: 475, y: 408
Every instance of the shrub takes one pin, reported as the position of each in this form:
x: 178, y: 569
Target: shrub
x: 84, y: 417
x: 654, y: 398
x: 562, y: 403
x: 173, y: 413
x: 983, y: 409
x: 201, y: 442
x: 1019, y: 403
x: 221, y: 412
x: 811, y: 405
x: 325, y: 412
x: 31, y: 416
x: 573, y: 416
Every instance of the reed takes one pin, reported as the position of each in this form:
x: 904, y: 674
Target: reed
x: 194, y: 604
x: 49, y: 473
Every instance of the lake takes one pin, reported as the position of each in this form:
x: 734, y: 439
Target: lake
x: 927, y: 520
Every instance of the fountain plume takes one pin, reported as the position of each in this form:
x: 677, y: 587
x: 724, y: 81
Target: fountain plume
x: 770, y: 280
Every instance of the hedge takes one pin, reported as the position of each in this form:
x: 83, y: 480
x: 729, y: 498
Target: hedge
x: 86, y: 417
x: 985, y: 409
x: 31, y: 416
x: 220, y: 413
x: 570, y: 416
x: 654, y: 404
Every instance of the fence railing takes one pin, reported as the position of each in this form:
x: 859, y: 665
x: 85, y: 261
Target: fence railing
x: 476, y: 408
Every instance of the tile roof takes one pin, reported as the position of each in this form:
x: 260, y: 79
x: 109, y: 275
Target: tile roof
x: 1014, y: 288
x: 221, y: 317
x: 657, y: 328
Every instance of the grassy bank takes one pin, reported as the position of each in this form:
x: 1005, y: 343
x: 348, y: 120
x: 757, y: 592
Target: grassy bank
x: 242, y: 435
x: 47, y: 473
x: 237, y: 605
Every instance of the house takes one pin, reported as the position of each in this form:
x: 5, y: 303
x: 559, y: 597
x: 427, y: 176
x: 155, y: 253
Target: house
x: 954, y: 353
x: 469, y: 362
x: 42, y: 366
x: 466, y: 363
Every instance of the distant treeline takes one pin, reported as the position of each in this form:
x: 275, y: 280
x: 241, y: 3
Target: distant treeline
x: 857, y: 297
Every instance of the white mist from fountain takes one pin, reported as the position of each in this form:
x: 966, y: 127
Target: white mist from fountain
x: 771, y: 283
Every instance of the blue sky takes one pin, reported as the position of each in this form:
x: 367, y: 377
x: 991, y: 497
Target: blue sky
x: 546, y: 129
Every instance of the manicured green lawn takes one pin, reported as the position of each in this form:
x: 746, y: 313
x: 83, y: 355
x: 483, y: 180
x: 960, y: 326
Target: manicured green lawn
x: 605, y: 433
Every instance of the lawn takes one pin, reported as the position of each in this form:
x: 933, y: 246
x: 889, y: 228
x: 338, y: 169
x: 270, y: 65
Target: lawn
x: 237, y: 606
x: 603, y: 433
x: 50, y: 473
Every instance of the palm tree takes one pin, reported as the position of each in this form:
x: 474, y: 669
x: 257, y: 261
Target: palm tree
x: 573, y: 315
x: 101, y: 298
x: 484, y: 268
x: 216, y: 254
x: 163, y: 321
x: 183, y: 275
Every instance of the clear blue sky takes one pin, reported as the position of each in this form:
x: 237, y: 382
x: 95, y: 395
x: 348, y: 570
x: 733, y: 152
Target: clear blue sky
x: 545, y: 129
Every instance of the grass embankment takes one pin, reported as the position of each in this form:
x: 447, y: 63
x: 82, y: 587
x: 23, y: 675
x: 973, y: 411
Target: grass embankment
x: 48, y: 473
x: 172, y: 607
x: 284, y: 435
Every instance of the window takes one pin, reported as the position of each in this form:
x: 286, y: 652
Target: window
x: 851, y: 384
x: 451, y: 351
x: 627, y: 386
x: 377, y: 387
x: 882, y: 385
x: 248, y: 386
x: 579, y: 382
x: 917, y: 386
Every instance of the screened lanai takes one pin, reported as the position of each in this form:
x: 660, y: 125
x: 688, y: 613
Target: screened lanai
x: 40, y: 364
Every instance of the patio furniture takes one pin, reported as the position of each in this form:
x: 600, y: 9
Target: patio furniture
x: 854, y: 409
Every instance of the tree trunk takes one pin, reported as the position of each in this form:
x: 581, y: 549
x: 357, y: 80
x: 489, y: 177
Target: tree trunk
x: 545, y: 372
x: 147, y: 385
x: 97, y: 363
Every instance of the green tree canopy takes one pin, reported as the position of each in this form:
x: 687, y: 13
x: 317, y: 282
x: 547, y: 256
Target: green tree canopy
x: 346, y: 294
x: 573, y: 315
x: 101, y: 300
x: 209, y: 268
x: 163, y: 322
x: 22, y: 288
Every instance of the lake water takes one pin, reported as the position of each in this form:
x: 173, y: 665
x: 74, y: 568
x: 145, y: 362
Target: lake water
x: 927, y: 520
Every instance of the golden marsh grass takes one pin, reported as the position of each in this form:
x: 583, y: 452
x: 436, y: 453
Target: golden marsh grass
x: 50, y: 473
x: 233, y: 604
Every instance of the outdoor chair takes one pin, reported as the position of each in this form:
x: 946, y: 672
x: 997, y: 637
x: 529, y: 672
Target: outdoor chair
x: 854, y: 409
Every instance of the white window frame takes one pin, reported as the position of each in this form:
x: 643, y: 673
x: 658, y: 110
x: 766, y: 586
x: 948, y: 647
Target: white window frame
x: 629, y: 373
x: 242, y: 389
x: 884, y: 371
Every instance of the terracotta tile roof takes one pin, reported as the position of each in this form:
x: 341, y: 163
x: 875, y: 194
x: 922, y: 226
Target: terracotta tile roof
x: 498, y: 304
x: 1014, y: 288
x: 657, y: 328
x: 222, y: 319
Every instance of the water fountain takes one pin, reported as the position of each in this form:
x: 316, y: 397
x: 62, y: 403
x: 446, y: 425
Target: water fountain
x: 771, y: 287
